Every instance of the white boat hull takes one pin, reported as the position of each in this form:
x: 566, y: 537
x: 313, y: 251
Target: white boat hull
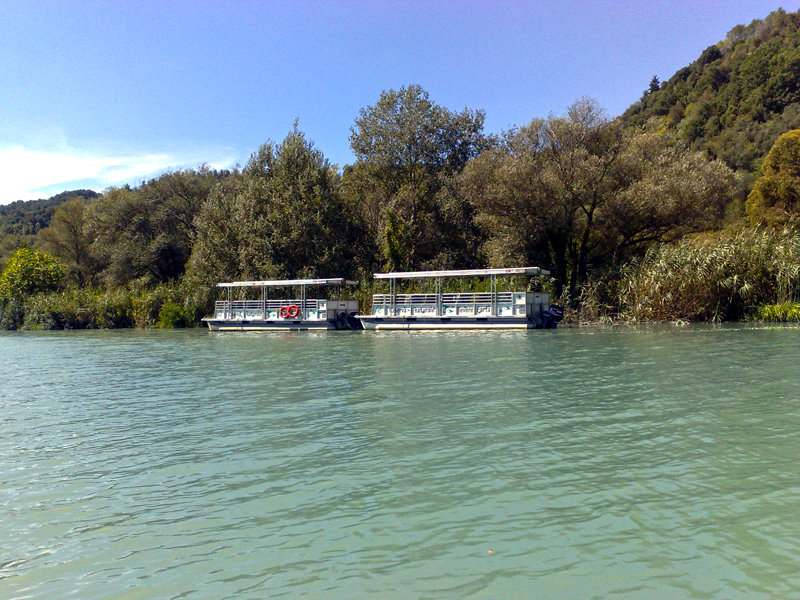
x: 220, y: 325
x: 404, y: 323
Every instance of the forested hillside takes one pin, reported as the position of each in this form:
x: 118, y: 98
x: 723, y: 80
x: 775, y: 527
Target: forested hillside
x: 28, y: 217
x: 737, y: 97
x: 640, y: 217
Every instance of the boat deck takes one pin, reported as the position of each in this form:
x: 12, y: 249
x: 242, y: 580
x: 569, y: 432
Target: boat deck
x: 470, y: 310
x: 283, y: 314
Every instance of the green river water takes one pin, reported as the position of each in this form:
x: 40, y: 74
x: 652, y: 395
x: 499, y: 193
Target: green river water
x: 653, y: 462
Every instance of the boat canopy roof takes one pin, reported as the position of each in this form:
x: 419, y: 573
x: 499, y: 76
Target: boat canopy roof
x: 288, y: 282
x: 463, y: 273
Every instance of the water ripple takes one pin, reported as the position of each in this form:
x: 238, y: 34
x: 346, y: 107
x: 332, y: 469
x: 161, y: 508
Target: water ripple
x: 622, y: 462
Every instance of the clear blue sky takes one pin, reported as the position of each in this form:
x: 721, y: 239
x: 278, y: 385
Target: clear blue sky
x: 100, y: 93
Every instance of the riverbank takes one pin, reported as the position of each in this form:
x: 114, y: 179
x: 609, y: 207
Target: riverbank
x: 179, y: 305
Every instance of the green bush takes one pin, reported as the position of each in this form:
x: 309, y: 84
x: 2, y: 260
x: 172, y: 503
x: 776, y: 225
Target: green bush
x: 165, y: 305
x: 172, y: 315
x: 30, y: 271
x: 149, y: 306
x: 77, y: 308
x: 12, y: 314
x: 784, y: 312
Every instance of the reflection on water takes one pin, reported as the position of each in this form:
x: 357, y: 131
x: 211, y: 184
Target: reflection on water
x: 595, y: 463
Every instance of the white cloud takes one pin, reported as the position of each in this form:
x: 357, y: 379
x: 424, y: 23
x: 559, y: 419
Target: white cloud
x: 28, y: 173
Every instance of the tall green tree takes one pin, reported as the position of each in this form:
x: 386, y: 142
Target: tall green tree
x: 69, y: 236
x: 539, y: 194
x: 281, y: 217
x: 576, y: 193
x: 147, y: 232
x: 408, y: 147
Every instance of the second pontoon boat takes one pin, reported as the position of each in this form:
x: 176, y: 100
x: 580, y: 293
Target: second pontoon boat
x: 440, y: 310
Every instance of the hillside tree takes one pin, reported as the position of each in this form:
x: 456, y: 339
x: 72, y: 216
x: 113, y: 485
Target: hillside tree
x: 776, y: 194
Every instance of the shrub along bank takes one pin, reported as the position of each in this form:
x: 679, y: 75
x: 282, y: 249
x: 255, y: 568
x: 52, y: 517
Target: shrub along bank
x: 166, y: 305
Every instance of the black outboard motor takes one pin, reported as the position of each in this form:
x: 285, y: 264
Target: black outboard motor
x: 345, y: 321
x: 353, y: 322
x: 552, y: 316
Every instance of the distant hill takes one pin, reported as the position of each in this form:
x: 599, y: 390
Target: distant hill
x: 26, y: 217
x: 737, y: 97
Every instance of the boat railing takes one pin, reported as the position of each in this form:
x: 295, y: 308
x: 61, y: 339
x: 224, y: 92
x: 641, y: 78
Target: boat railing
x: 459, y: 298
x: 263, y: 309
x: 453, y: 304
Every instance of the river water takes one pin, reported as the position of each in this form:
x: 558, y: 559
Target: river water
x: 654, y: 462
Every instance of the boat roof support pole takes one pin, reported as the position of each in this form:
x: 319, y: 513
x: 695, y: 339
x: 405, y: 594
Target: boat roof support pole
x: 493, y: 287
x: 393, y: 295
x: 438, y: 296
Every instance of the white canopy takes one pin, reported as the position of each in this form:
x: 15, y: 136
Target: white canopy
x: 530, y: 271
x: 288, y: 282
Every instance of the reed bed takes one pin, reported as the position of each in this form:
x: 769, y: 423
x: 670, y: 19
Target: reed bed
x: 720, y: 278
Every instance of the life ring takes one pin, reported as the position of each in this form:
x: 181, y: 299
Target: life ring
x: 293, y: 311
x: 283, y: 312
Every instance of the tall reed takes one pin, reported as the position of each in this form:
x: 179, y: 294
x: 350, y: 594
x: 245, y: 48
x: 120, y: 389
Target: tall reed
x: 724, y: 277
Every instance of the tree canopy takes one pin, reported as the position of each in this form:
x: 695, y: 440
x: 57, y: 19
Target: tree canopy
x: 280, y: 217
x: 577, y: 191
x: 69, y: 237
x: 148, y: 232
x: 776, y: 194
x: 407, y: 148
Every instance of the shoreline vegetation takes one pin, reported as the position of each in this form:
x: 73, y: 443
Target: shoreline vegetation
x: 686, y: 208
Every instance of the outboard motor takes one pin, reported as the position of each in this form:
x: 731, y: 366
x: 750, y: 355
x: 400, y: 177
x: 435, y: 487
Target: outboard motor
x: 345, y: 321
x: 353, y: 322
x: 552, y: 316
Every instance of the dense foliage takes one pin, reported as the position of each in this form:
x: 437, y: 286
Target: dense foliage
x: 30, y: 271
x: 27, y: 218
x: 281, y: 217
x: 737, y: 97
x: 776, y: 194
x: 578, y: 193
x: 148, y: 232
x: 408, y: 150
x: 720, y: 277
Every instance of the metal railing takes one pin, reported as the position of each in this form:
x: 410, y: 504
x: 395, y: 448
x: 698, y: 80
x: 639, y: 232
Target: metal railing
x: 465, y: 304
x: 463, y: 298
x: 259, y: 309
